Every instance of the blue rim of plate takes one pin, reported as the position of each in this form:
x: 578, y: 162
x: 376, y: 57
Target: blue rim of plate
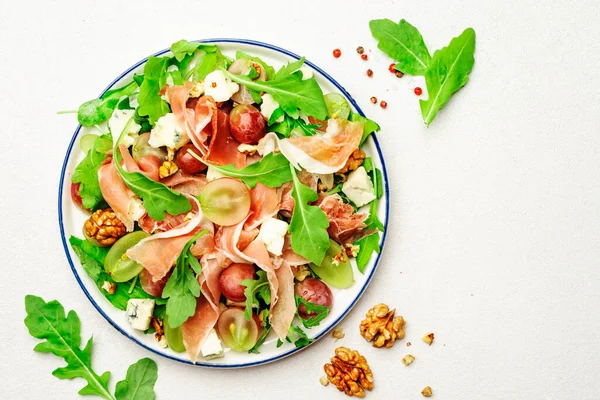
x: 293, y: 350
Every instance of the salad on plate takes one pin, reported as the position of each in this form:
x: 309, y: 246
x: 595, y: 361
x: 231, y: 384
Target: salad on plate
x: 226, y: 199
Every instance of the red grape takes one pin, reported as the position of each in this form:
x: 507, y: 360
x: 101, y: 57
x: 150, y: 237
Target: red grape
x: 187, y: 162
x: 247, y: 124
x: 231, y: 278
x: 76, y: 197
x: 314, y: 291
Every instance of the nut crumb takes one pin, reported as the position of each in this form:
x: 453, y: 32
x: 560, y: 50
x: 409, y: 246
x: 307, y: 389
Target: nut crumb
x: 324, y: 381
x: 167, y: 168
x: 428, y: 338
x: 110, y: 287
x: 427, y: 392
x: 338, y: 334
x: 408, y: 344
x: 408, y: 359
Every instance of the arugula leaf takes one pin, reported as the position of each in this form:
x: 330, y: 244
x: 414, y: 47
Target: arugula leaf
x: 92, y: 260
x: 264, y: 316
x: 95, y: 111
x: 403, y: 43
x: 289, y: 68
x: 368, y: 245
x: 255, y: 289
x: 291, y: 92
x: 62, y: 336
x: 273, y: 171
x: 269, y: 70
x: 298, y: 337
x: 155, y: 77
x: 320, y: 312
x: 448, y: 72
x: 308, y: 226
x: 183, y: 288
x: 290, y: 124
x: 86, y: 173
x: 139, y: 383
x: 369, y: 126
x: 183, y: 48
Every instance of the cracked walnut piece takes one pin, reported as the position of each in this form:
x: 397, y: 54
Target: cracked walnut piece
x: 167, y: 168
x: 381, y: 327
x: 349, y: 372
x: 104, y: 227
x: 427, y: 392
x: 354, y: 161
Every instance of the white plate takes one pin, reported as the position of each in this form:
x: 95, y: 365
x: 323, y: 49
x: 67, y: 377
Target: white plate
x: 71, y: 220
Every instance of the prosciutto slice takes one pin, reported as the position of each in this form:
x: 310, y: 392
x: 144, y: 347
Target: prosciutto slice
x: 264, y: 204
x: 183, y: 182
x: 158, y: 253
x: 148, y: 165
x: 223, y: 147
x: 344, y: 223
x: 289, y: 256
x: 318, y: 154
x: 118, y: 196
x: 192, y: 120
x: 195, y: 330
x: 282, y: 314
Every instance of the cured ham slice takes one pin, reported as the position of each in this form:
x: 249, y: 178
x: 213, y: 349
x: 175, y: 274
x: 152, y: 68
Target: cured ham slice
x: 319, y: 154
x: 148, y: 165
x: 344, y: 223
x: 286, y: 204
x: 118, y: 196
x: 282, y: 314
x: 183, y: 182
x: 289, y: 256
x: 264, y: 204
x: 192, y: 120
x: 223, y: 147
x: 151, y: 287
x: 195, y: 330
x: 158, y: 253
x: 150, y: 225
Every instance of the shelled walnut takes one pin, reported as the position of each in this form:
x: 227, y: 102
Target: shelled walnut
x: 381, y: 327
x: 103, y: 227
x: 167, y: 168
x: 349, y: 372
x: 354, y: 161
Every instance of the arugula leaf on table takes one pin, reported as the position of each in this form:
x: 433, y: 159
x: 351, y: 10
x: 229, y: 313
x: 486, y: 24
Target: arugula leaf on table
x: 448, y: 72
x: 308, y: 226
x: 269, y: 70
x: 155, y: 77
x: 264, y: 316
x: 92, y: 260
x: 255, y: 289
x: 403, y: 43
x: 321, y: 312
x: 62, y: 336
x: 183, y: 288
x: 86, y: 173
x: 139, y: 383
x: 95, y: 111
x: 273, y: 171
x: 291, y: 92
x: 369, y: 126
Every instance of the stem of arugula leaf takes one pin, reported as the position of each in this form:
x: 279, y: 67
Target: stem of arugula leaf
x: 133, y: 283
x: 67, y: 112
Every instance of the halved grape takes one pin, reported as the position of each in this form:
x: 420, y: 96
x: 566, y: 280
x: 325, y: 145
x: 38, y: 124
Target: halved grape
x: 76, y: 197
x: 337, y: 106
x: 225, y: 201
x: 247, y: 124
x: 235, y: 331
x: 120, y: 267
x: 87, y: 142
x: 187, y: 162
x: 174, y: 336
x: 339, y: 276
x: 141, y: 148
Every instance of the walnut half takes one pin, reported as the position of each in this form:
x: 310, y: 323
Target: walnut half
x: 104, y: 227
x: 381, y: 327
x: 349, y: 372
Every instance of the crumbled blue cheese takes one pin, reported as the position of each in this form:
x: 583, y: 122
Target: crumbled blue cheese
x: 272, y: 233
x: 212, y: 347
x: 212, y: 174
x: 167, y: 132
x: 359, y: 188
x: 116, y: 124
x: 218, y: 86
x: 139, y: 312
x: 268, y: 106
x: 135, y: 208
x: 197, y: 89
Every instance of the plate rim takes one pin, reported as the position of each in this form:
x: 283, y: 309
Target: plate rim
x: 294, y: 349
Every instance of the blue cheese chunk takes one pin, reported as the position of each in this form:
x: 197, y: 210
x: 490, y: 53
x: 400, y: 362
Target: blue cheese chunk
x: 218, y: 86
x: 117, y: 123
x: 212, y: 347
x: 167, y: 132
x: 272, y: 233
x: 139, y: 312
x: 359, y: 188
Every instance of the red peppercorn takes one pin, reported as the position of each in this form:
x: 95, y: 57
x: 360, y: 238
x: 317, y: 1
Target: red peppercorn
x: 374, y: 100
x: 337, y: 53
x: 392, y: 68
x: 369, y: 73
x: 383, y: 104
x: 364, y: 56
x: 418, y: 91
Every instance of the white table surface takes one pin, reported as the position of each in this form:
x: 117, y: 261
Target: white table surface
x: 494, y: 235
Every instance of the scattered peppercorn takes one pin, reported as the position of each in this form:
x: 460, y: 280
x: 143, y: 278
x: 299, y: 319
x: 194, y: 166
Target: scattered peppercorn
x: 360, y: 49
x: 374, y: 100
x: 369, y: 73
x: 399, y: 74
x: 418, y: 91
x: 337, y: 53
x: 383, y: 104
x: 364, y: 56
x: 392, y: 68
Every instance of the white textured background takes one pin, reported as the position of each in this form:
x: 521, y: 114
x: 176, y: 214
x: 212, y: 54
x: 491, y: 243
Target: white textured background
x: 494, y: 235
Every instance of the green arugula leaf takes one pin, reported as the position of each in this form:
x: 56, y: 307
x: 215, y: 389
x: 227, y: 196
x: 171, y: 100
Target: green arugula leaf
x: 308, y: 226
x: 368, y: 245
x: 448, y: 72
x: 92, y: 260
x: 183, y: 48
x: 373, y: 221
x: 255, y: 289
x: 291, y: 92
x: 269, y: 70
x: 63, y: 338
x: 264, y: 316
x: 96, y: 111
x: 369, y: 126
x: 86, y: 173
x: 155, y: 77
x: 298, y: 337
x: 183, y: 288
x: 289, y: 68
x: 290, y: 126
x: 403, y: 43
x: 273, y: 171
x: 321, y: 312
x: 139, y: 383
